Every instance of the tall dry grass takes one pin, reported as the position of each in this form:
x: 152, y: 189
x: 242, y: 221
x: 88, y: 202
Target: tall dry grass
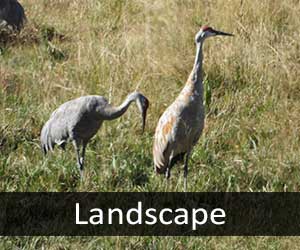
x: 251, y: 139
x: 114, y: 47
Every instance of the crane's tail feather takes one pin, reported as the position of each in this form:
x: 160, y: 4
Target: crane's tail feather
x: 159, y: 169
x: 46, y: 142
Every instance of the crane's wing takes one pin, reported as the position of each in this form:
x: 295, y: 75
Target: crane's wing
x: 175, y: 135
x: 73, y: 116
x: 55, y: 130
x: 164, y: 139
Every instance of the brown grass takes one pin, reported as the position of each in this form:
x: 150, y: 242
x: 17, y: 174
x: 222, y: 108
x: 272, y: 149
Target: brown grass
x: 251, y: 140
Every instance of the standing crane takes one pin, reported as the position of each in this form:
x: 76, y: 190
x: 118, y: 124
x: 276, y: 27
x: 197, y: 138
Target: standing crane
x: 11, y: 14
x: 79, y: 120
x: 180, y: 126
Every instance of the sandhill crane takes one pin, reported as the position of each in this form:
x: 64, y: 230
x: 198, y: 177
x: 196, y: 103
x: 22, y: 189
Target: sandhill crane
x: 11, y: 14
x: 79, y: 120
x: 180, y: 126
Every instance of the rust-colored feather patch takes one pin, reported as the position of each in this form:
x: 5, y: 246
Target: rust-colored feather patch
x: 169, y: 125
x: 186, y: 95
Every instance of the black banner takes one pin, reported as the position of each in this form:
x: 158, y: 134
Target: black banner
x: 145, y: 214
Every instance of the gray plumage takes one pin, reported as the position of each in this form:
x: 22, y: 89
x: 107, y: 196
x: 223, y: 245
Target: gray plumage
x: 11, y: 14
x: 79, y: 120
x: 180, y: 126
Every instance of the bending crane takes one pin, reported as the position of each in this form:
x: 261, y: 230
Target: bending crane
x: 79, y: 120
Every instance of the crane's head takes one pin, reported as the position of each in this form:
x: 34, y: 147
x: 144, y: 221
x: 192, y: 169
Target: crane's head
x: 206, y: 31
x: 143, y: 104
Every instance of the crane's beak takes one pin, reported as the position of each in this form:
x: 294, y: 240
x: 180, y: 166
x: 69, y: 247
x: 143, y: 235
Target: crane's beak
x: 143, y: 104
x: 221, y: 33
x: 144, y: 114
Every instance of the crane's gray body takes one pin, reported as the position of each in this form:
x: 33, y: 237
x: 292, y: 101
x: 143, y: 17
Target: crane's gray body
x: 12, y: 14
x: 181, y: 125
x: 79, y: 120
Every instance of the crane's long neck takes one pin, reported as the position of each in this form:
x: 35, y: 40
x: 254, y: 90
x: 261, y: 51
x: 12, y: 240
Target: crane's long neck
x: 196, y: 74
x: 112, y: 113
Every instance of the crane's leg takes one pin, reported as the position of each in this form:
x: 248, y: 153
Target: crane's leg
x: 82, y: 158
x: 168, y: 170
x: 168, y: 173
x: 185, y: 171
x: 78, y: 158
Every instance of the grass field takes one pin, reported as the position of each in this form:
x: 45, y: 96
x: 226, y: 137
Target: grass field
x: 251, y: 140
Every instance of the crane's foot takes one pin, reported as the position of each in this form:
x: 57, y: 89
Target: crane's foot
x: 81, y: 176
x: 185, y: 184
x: 80, y: 168
x: 168, y: 173
x: 185, y: 179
